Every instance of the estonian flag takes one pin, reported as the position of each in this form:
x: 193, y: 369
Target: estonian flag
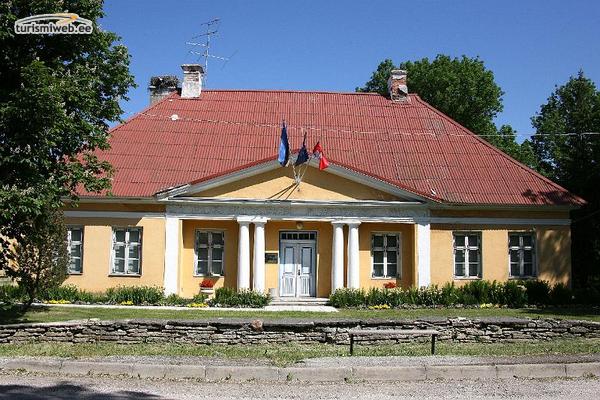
x: 284, y: 147
x: 302, y: 154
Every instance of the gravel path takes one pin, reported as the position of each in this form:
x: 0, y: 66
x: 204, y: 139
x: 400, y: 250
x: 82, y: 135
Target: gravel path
x: 30, y: 387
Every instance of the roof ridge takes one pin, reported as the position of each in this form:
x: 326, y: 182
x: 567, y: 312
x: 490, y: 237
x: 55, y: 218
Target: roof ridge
x: 497, y: 150
x: 298, y: 91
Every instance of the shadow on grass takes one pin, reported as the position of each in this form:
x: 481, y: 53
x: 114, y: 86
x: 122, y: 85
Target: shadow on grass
x: 14, y: 314
x: 590, y: 312
x: 65, y: 390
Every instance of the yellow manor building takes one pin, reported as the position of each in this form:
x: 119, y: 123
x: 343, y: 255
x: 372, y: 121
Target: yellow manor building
x: 409, y: 196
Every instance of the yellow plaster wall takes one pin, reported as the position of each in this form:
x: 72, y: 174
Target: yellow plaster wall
x: 189, y: 284
x: 97, y: 251
x: 553, y: 252
x: 279, y: 184
x: 407, y: 254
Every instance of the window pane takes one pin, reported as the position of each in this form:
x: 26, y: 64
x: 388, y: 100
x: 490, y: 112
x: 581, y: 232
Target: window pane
x: 134, y: 235
x: 119, y: 266
x: 392, y: 257
x: 392, y: 241
x: 120, y: 235
x: 459, y: 256
x: 134, y: 251
x: 378, y: 257
x: 202, y: 267
x: 528, y: 269
x: 75, y: 265
x: 513, y: 240
x: 217, y: 255
x: 75, y: 250
x: 514, y: 256
x: 527, y: 240
x: 378, y: 241
x: 203, y: 254
x: 473, y: 256
x: 527, y: 256
x: 392, y: 269
x: 459, y: 269
x: 76, y: 235
x: 515, y: 269
x: 377, y: 270
x: 459, y: 240
x: 120, y: 251
x: 217, y: 268
x: 473, y: 269
x: 133, y: 266
x: 473, y: 240
x: 217, y: 238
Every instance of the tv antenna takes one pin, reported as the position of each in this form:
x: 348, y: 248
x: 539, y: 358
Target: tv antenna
x: 211, y: 30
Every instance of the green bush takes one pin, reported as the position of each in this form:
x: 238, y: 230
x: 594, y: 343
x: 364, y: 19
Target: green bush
x: 228, y: 297
x: 11, y: 293
x: 199, y: 298
x: 135, y: 294
x: 561, y: 295
x: 65, y: 292
x: 538, y: 292
x: 175, y: 300
x: 450, y: 294
x: 345, y: 298
x: 515, y: 295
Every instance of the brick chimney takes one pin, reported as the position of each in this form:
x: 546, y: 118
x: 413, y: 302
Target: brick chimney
x: 162, y: 86
x: 192, y: 80
x: 397, y: 85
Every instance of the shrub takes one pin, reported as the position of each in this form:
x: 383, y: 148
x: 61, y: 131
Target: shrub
x: 561, y: 295
x: 538, y: 292
x: 64, y: 292
x: 515, y: 295
x: 376, y: 296
x: 11, y: 293
x: 450, y: 294
x: 228, y: 297
x: 344, y: 298
x: 199, y: 298
x: 135, y: 294
x: 175, y: 300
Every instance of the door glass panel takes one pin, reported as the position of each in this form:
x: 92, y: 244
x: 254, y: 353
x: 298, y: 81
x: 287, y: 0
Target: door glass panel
x: 306, y: 261
x: 289, y: 262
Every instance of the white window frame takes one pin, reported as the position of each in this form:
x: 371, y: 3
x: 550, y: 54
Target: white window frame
x: 126, y: 243
x: 384, y: 249
x: 70, y: 244
x: 521, y: 248
x: 466, y: 249
x: 209, y: 246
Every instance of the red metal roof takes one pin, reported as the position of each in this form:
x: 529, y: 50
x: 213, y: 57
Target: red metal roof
x: 410, y: 145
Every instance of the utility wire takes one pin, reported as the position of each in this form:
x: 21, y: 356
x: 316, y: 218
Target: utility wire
x: 175, y: 117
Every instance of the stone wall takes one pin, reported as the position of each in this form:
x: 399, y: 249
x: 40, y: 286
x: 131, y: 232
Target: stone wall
x: 285, y: 331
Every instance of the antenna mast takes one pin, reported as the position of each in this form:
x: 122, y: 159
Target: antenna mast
x: 210, y: 31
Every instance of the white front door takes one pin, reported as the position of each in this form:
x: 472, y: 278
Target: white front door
x: 297, y: 258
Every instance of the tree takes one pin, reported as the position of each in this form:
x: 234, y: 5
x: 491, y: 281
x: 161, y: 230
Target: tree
x: 462, y: 88
x: 40, y: 260
x: 573, y: 160
x: 58, y: 94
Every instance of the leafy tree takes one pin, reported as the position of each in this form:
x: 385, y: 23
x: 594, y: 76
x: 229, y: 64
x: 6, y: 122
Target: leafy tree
x: 58, y: 94
x: 462, y: 88
x: 574, y: 162
x: 40, y: 259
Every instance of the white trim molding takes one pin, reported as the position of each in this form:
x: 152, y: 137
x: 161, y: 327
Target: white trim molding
x: 423, y: 254
x: 172, y: 238
x: 500, y: 221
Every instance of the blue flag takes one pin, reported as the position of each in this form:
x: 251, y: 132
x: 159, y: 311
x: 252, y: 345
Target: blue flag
x: 303, y: 153
x: 284, y: 147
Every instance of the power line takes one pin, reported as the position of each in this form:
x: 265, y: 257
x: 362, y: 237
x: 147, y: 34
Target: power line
x: 175, y: 117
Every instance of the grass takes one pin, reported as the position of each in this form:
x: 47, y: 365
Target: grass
x: 286, y: 354
x: 12, y: 314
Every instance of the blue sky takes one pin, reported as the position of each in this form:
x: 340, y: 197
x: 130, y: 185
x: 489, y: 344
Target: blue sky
x: 335, y: 45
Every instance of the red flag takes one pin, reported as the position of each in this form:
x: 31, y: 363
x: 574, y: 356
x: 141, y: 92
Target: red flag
x: 318, y: 152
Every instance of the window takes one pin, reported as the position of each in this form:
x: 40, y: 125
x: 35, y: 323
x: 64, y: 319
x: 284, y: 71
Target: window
x: 210, y: 249
x: 385, y: 252
x: 467, y: 255
x: 521, y: 255
x: 127, y: 251
x: 75, y: 248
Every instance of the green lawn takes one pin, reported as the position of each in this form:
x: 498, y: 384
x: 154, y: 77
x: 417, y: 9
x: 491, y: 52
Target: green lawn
x: 286, y: 354
x: 48, y: 314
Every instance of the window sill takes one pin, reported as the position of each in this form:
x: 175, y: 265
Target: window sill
x: 113, y: 275
x: 467, y: 278
x: 75, y: 273
x: 385, y: 278
x: 208, y: 276
x: 523, y: 278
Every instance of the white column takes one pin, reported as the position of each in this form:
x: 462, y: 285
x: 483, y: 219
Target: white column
x: 337, y: 259
x: 243, y: 273
x: 353, y: 256
x: 258, y: 281
x: 423, y: 254
x: 172, y: 236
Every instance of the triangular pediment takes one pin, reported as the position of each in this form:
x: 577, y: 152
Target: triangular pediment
x: 269, y: 181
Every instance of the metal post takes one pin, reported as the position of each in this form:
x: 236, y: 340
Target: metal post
x: 351, y: 344
x: 433, y: 344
